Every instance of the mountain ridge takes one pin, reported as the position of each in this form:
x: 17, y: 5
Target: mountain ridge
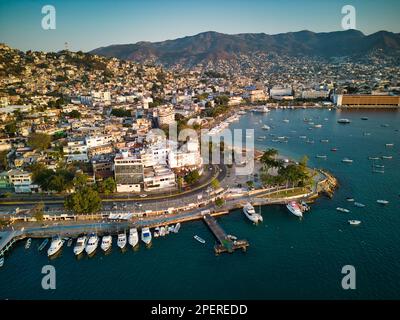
x: 211, y: 45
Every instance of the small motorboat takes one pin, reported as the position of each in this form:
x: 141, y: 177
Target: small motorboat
x: 344, y: 121
x: 43, y: 244
x: 69, y: 243
x: 321, y: 156
x: 324, y: 140
x: 373, y: 158
x: 364, y: 118
x: 354, y: 222
x: 359, y: 205
x: 342, y: 210
x: 350, y: 199
x: 387, y: 157
x: 295, y: 208
x: 389, y: 145
x: 384, y: 202
x: 347, y: 160
x: 28, y: 243
x: 177, y: 227
x: 199, y: 239
x: 1, y: 262
x: 334, y: 149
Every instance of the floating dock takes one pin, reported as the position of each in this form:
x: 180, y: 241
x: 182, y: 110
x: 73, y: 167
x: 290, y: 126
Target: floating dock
x: 226, y: 244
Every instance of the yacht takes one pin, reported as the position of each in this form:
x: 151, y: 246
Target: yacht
x: 344, y: 121
x: 133, y: 237
x: 342, y: 210
x: 80, y: 245
x: 201, y: 240
x: 251, y: 214
x: 146, y: 235
x: 121, y: 242
x: 354, y: 222
x: 28, y: 243
x: 92, y: 244
x: 55, y: 246
x: 106, y: 243
x: 294, y: 208
x: 384, y: 202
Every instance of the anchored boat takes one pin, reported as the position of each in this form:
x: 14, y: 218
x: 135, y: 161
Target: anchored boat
x: 354, y: 222
x: 294, y: 208
x: 201, y: 240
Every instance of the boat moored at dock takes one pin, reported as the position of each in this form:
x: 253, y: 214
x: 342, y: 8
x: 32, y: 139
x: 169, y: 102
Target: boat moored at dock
x: 80, y: 245
x: 55, y: 246
x: 294, y: 208
x: 106, y: 243
x: 92, y: 244
x: 251, y: 214
x: 121, y: 241
x: 146, y: 235
x: 133, y: 237
x: 28, y: 243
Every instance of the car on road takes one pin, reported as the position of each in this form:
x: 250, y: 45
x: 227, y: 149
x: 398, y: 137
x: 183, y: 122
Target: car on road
x: 138, y: 204
x: 143, y: 195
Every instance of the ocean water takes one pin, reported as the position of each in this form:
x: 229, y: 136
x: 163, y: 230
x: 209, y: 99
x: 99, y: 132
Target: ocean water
x: 288, y: 258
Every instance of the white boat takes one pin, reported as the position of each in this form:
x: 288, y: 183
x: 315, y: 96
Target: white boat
x: 389, y: 145
x: 162, y: 231
x: 251, y: 214
x: 387, y: 157
x: 80, y: 245
x: 266, y: 127
x: 342, y: 210
x: 358, y: 204
x: 321, y: 156
x: 373, y: 158
x: 347, y: 160
x: 354, y: 222
x: 286, y: 120
x: 294, y: 208
x: 324, y: 140
x: 318, y: 126
x: 133, y: 237
x: 344, y: 121
x: 382, y: 202
x: 146, y: 235
x: 121, y: 242
x: 92, y: 244
x: 1, y: 262
x: 201, y: 240
x: 106, y: 243
x: 28, y: 243
x: 177, y: 227
x: 171, y: 229
x: 55, y: 246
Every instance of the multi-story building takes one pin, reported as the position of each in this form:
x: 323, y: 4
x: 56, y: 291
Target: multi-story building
x: 166, y: 115
x: 20, y: 180
x: 128, y: 172
x: 158, y: 177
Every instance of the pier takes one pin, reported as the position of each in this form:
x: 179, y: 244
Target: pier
x: 226, y: 244
x: 7, y: 239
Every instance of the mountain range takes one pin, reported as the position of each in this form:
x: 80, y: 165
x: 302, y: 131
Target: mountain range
x: 213, y: 46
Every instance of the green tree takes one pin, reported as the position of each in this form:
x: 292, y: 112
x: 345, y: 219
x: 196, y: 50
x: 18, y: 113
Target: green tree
x: 83, y: 201
x: 192, y: 177
x: 106, y: 186
x: 11, y: 128
x: 219, y: 202
x: 38, y: 211
x: 75, y: 114
x: 215, y: 184
x: 39, y: 141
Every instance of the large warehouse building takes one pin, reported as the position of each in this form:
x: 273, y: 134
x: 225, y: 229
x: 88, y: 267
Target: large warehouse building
x: 365, y: 101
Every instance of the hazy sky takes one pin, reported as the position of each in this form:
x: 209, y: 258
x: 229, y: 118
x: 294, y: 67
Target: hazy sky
x: 86, y: 25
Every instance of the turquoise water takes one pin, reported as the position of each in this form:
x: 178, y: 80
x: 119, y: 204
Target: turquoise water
x: 288, y: 258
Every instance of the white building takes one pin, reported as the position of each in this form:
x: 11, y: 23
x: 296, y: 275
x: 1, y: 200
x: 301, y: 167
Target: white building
x: 166, y: 115
x: 21, y: 180
x: 96, y: 141
x: 158, y: 177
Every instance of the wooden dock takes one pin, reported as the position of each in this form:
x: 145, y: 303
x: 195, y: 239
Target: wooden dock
x: 226, y: 244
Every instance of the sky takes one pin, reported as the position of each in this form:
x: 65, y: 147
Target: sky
x: 86, y: 25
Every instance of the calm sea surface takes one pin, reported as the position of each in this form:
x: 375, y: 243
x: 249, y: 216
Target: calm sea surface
x: 288, y: 258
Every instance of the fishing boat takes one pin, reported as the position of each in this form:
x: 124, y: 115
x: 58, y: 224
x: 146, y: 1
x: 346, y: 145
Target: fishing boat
x: 92, y: 244
x: 1, y: 262
x: 121, y: 241
x: 347, y: 160
x: 342, y: 210
x: 106, y: 243
x: 146, y: 235
x: 294, y: 208
x: 344, y: 121
x: 55, y: 246
x: 28, y: 243
x: 43, y: 244
x: 354, y: 222
x: 384, y: 202
x: 251, y: 214
x: 133, y: 237
x: 80, y: 245
x: 358, y: 204
x: 177, y: 227
x: 201, y: 240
